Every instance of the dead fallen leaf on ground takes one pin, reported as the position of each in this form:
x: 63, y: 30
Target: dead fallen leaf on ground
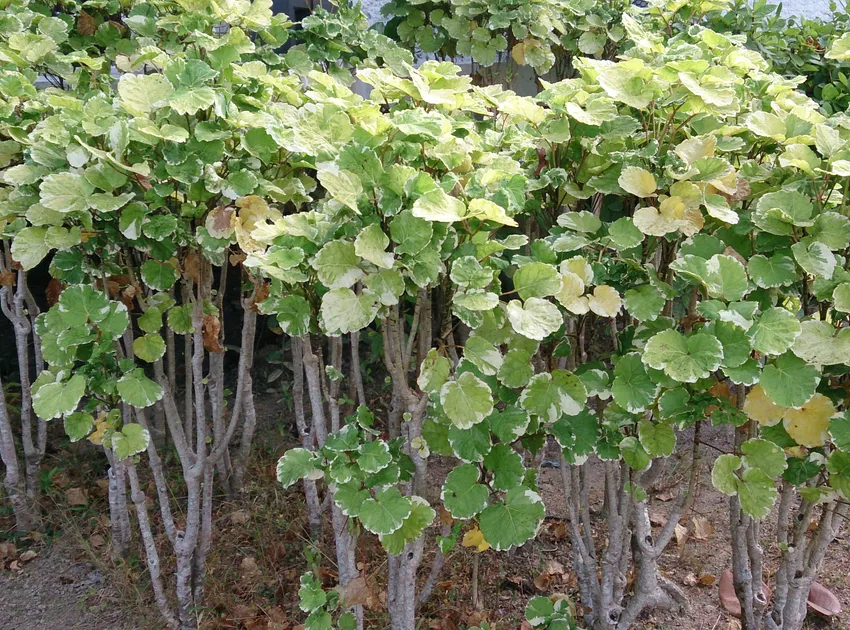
x: 76, y: 497
x: 702, y: 528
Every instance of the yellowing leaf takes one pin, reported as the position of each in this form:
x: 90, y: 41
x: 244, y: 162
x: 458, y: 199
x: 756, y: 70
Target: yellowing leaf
x: 489, y: 211
x: 605, y: 301
x: 637, y: 181
x: 570, y: 295
x: 672, y: 215
x: 580, y: 267
x: 808, y: 425
x: 100, y: 427
x: 474, y: 538
x: 761, y: 408
x: 253, y: 213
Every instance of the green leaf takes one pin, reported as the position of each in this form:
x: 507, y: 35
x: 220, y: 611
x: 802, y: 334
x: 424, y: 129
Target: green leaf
x: 632, y: 387
x: 644, y: 302
x: 466, y: 401
x: 684, y: 359
x: 775, y: 331
x: 55, y: 399
x: 510, y: 424
x: 536, y: 279
x: 756, y: 492
x: 386, y: 512
x: 374, y: 456
x: 841, y: 297
x: 506, y: 466
x: 764, y: 455
x: 410, y: 233
x: 462, y: 495
x: 131, y: 440
x: 421, y: 516
x: 536, y: 319
x: 149, y: 347
x: 159, y: 276
x: 180, y: 319
x: 78, y: 425
x: 723, y: 474
x: 658, y: 439
x: 311, y: 595
x: 789, y: 381
x: 138, y: 390
x: 839, y: 430
x: 516, y: 369
x: 634, y: 454
x: 512, y: 522
x: 777, y: 271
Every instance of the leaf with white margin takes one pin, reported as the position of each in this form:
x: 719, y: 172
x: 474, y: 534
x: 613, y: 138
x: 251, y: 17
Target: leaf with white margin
x: 30, y: 247
x: 343, y: 311
x: 421, y: 516
x: 549, y: 396
x: 371, y: 244
x: 789, y: 381
x: 138, y: 390
x: 337, y: 265
x: 512, y: 522
x: 131, y: 440
x: 65, y: 192
x: 841, y: 297
x: 632, y: 388
x: 775, y: 331
x: 488, y: 211
x: 462, y: 495
x: 437, y: 205
x: 684, y: 359
x: 466, y: 401
x: 815, y: 258
x: 723, y: 475
x: 756, y: 493
x: 820, y: 343
x: 536, y: 319
x: 57, y: 398
x: 297, y: 464
x: 344, y: 186
x: 433, y: 372
x: 483, y: 355
x: 768, y: 273
x: 386, y: 512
